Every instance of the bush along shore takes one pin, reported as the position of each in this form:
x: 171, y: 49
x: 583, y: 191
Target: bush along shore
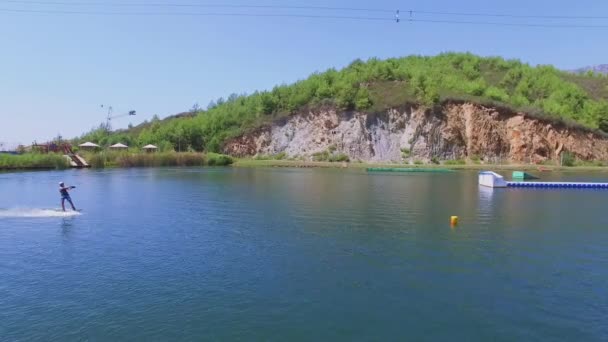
x: 32, y: 161
x: 126, y: 159
x: 272, y: 161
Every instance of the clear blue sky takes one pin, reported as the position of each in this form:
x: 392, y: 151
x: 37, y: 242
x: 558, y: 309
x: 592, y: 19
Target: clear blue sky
x: 56, y: 69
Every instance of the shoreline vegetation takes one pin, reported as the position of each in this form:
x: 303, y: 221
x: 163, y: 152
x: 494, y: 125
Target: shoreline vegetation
x: 100, y: 160
x: 250, y: 162
x: 113, y: 159
x: 33, y: 161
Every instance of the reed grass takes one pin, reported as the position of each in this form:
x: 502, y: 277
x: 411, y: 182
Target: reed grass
x: 126, y: 159
x: 33, y: 161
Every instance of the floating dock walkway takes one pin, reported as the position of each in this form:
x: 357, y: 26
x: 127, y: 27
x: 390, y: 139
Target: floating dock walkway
x: 494, y: 180
x: 561, y: 185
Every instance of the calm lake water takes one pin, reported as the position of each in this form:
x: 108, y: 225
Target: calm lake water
x: 292, y: 254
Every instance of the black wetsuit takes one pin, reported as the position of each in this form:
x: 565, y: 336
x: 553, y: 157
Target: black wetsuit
x: 65, y: 196
x: 64, y: 193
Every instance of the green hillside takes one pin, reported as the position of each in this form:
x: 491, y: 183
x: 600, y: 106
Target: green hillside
x: 376, y: 85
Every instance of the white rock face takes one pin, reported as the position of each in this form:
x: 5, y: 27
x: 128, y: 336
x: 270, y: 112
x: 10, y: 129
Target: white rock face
x: 454, y: 131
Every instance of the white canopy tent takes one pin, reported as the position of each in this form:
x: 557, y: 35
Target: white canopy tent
x: 88, y: 145
x: 150, y: 148
x: 119, y: 146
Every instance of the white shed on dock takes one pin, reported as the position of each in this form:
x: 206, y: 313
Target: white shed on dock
x: 491, y: 179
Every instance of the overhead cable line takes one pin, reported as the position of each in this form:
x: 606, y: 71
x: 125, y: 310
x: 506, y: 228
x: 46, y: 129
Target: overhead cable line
x: 396, y: 18
x: 506, y: 24
x: 127, y: 4
x: 298, y: 7
x: 503, y: 15
x: 206, y: 14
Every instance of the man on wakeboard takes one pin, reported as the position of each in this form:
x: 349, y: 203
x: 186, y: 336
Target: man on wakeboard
x: 65, y: 195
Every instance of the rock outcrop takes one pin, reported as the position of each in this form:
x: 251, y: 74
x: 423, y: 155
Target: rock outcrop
x: 451, y: 131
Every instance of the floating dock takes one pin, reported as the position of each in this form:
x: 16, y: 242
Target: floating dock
x: 407, y: 169
x: 494, y: 180
x: 561, y: 185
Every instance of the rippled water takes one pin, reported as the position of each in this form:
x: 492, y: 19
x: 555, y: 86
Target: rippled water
x: 282, y: 254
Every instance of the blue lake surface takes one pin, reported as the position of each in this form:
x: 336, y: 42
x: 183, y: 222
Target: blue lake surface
x: 300, y: 254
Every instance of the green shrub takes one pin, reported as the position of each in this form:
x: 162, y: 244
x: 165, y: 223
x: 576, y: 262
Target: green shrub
x: 603, y: 123
x: 96, y: 160
x: 280, y: 156
x: 435, y: 161
x: 418, y: 162
x: 594, y: 163
x: 455, y: 162
x: 214, y: 159
x: 321, y: 156
x: 339, y: 158
x: 567, y: 159
x: 496, y: 94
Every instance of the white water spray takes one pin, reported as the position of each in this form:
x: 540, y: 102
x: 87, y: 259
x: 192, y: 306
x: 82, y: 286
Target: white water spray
x: 36, y: 213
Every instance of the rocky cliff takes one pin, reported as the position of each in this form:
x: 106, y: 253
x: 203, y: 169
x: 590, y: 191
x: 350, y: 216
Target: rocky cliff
x: 451, y: 131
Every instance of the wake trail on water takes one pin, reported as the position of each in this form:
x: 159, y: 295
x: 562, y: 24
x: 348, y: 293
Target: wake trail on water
x: 35, y: 213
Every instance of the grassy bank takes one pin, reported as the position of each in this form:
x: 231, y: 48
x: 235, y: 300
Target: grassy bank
x: 503, y: 167
x: 127, y: 159
x: 32, y: 161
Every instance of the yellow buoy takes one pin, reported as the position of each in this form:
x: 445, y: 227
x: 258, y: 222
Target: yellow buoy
x: 454, y: 220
